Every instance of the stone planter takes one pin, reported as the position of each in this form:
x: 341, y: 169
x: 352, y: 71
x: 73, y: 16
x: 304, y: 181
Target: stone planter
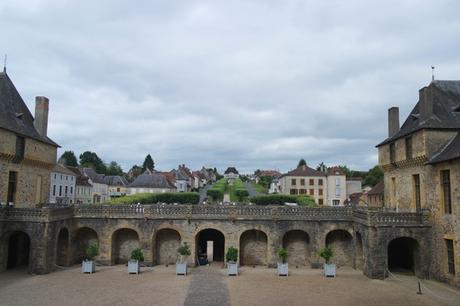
x: 181, y: 268
x: 133, y: 267
x: 283, y: 269
x: 232, y: 268
x: 329, y: 270
x: 88, y: 266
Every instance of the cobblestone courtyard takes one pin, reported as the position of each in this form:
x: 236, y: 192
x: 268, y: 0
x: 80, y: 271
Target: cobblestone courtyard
x: 210, y: 286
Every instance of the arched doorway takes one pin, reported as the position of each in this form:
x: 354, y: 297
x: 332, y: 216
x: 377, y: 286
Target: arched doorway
x: 167, y: 241
x: 83, y: 239
x: 297, y: 243
x: 341, y: 243
x: 359, y: 252
x: 253, y: 248
x: 403, y: 255
x: 62, y: 248
x: 18, y: 250
x: 210, y: 244
x: 124, y: 241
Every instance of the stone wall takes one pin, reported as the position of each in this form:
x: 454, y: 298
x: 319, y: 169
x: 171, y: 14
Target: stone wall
x: 253, y: 245
x: 166, y: 244
x: 124, y: 241
x: 341, y: 243
x: 297, y: 244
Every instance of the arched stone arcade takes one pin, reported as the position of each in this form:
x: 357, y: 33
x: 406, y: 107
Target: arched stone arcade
x: 63, y: 248
x: 253, y: 248
x: 208, y: 253
x: 341, y: 243
x: 84, y: 237
x: 297, y: 244
x: 403, y: 255
x: 18, y: 255
x: 165, y: 244
x: 124, y: 241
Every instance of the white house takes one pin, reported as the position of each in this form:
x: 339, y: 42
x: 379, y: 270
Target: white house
x: 231, y: 174
x: 100, y: 191
x: 62, y: 185
x: 83, y: 188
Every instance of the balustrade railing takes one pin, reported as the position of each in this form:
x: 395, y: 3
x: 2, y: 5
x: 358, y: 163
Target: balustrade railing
x: 216, y: 212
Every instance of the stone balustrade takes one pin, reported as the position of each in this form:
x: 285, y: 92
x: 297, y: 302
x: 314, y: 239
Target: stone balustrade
x: 365, y: 216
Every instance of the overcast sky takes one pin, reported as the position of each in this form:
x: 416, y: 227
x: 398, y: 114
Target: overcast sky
x: 251, y: 84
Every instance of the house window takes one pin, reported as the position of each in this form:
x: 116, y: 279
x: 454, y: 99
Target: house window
x: 302, y: 182
x: 337, y: 182
x: 416, y: 179
x: 65, y: 190
x: 312, y: 182
x: 408, y: 147
x: 60, y: 190
x: 293, y: 182
x: 320, y: 201
x: 335, y: 202
x: 312, y: 192
x: 71, y: 190
x: 12, y: 181
x: 118, y: 189
x: 445, y: 185
x: 293, y: 191
x: 337, y: 191
x: 450, y: 256
x: 20, y: 147
x: 303, y: 191
x: 320, y: 182
x: 54, y: 190
x: 66, y: 177
x: 320, y: 192
x: 392, y: 152
x: 55, y: 176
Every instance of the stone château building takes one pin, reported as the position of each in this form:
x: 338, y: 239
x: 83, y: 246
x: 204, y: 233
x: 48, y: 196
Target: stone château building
x: 421, y: 164
x: 27, y: 154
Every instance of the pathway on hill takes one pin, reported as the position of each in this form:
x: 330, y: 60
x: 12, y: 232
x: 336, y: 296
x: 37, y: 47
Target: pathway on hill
x: 251, y: 190
x: 207, y: 287
x: 226, y: 197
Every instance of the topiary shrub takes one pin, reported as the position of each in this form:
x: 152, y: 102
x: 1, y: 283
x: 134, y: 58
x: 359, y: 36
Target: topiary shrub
x: 274, y: 199
x: 92, y: 251
x: 326, y: 253
x: 282, y: 254
x: 137, y: 254
x: 231, y: 255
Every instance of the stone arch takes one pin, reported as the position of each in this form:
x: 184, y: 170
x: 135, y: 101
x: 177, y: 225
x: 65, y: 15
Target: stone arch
x: 124, y: 241
x: 253, y: 248
x: 62, y: 247
x: 166, y: 242
x: 18, y: 254
x: 359, y: 254
x: 297, y: 244
x: 341, y: 242
x: 403, y: 255
x: 84, y: 237
x: 218, y: 250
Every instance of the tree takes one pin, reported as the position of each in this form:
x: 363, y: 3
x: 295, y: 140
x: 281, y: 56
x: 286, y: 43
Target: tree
x: 134, y: 172
x: 346, y: 170
x: 114, y: 169
x: 321, y: 166
x: 302, y: 162
x: 69, y: 158
x: 374, y: 176
x: 90, y: 159
x: 148, y: 163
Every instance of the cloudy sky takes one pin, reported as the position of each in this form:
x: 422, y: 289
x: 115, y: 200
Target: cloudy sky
x: 251, y: 84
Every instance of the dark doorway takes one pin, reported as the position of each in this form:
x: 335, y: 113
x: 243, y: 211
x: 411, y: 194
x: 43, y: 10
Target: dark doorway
x: 12, y: 179
x: 18, y: 250
x: 62, y: 249
x: 403, y: 255
x: 218, y: 242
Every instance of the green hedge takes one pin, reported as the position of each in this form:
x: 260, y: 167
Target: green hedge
x: 216, y: 192
x: 280, y: 199
x: 167, y: 197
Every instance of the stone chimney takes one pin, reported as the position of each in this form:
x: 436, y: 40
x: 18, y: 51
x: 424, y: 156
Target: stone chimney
x: 393, y: 121
x: 425, y: 103
x: 41, y: 115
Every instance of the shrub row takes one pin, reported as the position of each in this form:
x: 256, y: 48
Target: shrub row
x: 216, y: 192
x: 168, y: 197
x: 281, y: 199
x: 238, y: 191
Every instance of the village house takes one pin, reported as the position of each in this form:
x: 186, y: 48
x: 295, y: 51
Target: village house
x: 27, y: 154
x: 83, y: 188
x: 421, y: 165
x: 117, y: 185
x: 231, y: 174
x: 62, y: 186
x: 376, y: 196
x: 151, y: 182
x: 100, y: 190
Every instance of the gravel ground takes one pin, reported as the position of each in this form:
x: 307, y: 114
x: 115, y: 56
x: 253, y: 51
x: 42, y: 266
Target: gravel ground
x: 210, y: 286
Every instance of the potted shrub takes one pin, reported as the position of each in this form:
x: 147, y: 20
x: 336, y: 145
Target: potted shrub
x: 88, y: 265
x: 181, y: 265
x: 329, y: 269
x: 232, y: 258
x: 134, y: 263
x: 282, y: 267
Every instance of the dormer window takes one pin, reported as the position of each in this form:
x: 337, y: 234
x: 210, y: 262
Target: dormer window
x: 19, y: 115
x: 457, y: 109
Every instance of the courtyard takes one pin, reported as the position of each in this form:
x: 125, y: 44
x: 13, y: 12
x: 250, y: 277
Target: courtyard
x: 209, y: 285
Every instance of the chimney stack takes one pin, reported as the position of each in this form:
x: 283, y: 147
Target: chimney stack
x: 393, y: 121
x: 41, y: 115
x: 425, y: 103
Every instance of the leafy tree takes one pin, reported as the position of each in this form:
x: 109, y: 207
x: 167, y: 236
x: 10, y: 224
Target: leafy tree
x: 257, y: 172
x: 148, y: 163
x: 114, y: 169
x: 90, y: 159
x: 321, y: 166
x: 374, y: 176
x: 302, y: 162
x: 69, y: 158
x: 134, y: 172
x: 346, y: 170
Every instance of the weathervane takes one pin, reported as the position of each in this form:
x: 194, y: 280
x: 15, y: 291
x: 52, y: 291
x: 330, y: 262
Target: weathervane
x: 432, y: 73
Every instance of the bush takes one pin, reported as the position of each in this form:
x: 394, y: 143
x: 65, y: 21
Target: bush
x: 92, y: 251
x: 232, y: 255
x: 281, y: 199
x: 282, y: 254
x: 306, y: 201
x: 216, y: 192
x: 137, y: 254
x: 167, y: 197
x: 326, y: 253
x: 184, y: 250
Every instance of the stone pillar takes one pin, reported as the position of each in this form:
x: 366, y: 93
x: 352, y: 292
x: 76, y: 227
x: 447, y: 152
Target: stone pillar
x: 105, y: 246
x: 274, y: 242
x: 375, y: 254
x: 393, y: 121
x: 317, y: 242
